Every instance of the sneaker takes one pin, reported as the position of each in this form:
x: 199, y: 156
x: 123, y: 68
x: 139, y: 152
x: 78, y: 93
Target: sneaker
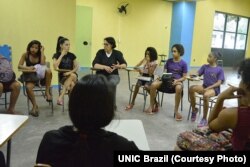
x: 193, y: 115
x: 202, y: 123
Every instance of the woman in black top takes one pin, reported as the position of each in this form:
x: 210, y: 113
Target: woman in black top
x: 63, y: 59
x: 85, y: 143
x: 108, y: 61
x: 35, y: 56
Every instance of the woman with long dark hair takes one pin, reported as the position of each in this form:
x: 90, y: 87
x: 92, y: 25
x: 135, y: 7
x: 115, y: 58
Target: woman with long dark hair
x: 32, y: 58
x: 63, y: 59
x: 85, y: 143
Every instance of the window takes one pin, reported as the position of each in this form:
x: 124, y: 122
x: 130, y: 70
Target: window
x: 229, y: 31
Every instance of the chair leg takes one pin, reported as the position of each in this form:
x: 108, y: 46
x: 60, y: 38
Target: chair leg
x: 130, y: 96
x: 162, y: 98
x: 5, y: 100
x: 189, y: 111
x: 145, y: 99
x: 200, y: 105
x: 181, y: 103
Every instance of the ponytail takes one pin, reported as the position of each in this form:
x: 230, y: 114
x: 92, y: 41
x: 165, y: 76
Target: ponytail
x: 60, y: 41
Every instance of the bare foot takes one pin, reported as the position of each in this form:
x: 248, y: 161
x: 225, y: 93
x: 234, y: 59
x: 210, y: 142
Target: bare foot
x: 149, y: 111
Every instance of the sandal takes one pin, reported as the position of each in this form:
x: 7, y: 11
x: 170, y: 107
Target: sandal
x: 59, y: 102
x: 34, y: 113
x: 129, y: 107
x: 48, y: 99
x: 178, y: 117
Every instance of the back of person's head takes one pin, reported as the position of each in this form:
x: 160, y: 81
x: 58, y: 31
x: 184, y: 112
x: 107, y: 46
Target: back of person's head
x: 111, y: 41
x: 179, y: 48
x: 217, y: 55
x: 91, y: 103
x: 34, y: 42
x: 152, y: 53
x: 60, y: 41
x: 244, y: 72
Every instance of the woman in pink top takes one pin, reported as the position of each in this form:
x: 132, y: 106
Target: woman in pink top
x: 236, y: 118
x: 150, y: 63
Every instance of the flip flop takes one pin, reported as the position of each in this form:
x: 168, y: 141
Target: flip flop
x: 129, y: 107
x: 47, y: 99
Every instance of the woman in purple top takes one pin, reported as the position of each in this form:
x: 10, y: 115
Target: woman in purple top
x: 236, y: 118
x: 213, y: 77
x: 178, y: 68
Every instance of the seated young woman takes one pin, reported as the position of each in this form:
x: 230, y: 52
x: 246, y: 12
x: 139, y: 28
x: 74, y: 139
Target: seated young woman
x: 236, y: 118
x: 34, y: 57
x: 65, y: 60
x: 178, y: 68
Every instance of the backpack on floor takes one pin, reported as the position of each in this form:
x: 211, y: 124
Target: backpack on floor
x: 6, y: 72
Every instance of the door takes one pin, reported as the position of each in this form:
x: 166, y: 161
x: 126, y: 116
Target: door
x: 83, y: 35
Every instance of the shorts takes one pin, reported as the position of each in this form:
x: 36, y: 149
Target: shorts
x: 143, y: 83
x: 166, y: 89
x: 6, y: 86
x: 63, y: 78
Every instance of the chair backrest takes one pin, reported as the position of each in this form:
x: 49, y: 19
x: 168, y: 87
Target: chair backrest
x: 158, y: 71
x: 5, y: 51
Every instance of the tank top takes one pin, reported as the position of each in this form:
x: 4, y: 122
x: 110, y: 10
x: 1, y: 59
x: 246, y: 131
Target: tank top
x: 29, y: 63
x: 241, y: 133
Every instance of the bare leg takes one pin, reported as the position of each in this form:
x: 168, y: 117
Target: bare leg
x: 30, y: 93
x: 178, y: 90
x: 195, y: 88
x: 48, y: 77
x: 154, y: 86
x: 15, y: 91
x: 209, y: 93
x: 66, y: 86
x: 137, y: 87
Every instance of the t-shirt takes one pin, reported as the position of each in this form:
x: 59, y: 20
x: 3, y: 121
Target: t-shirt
x: 103, y: 59
x: 146, y: 66
x: 241, y: 133
x: 176, y: 68
x: 66, y: 147
x: 211, y: 74
x: 67, y: 60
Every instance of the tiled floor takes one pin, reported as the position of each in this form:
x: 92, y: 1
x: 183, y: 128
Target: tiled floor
x: 161, y: 129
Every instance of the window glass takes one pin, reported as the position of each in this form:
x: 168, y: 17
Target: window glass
x: 219, y: 21
x: 231, y: 23
x: 217, y: 39
x: 242, y: 27
x: 240, y: 41
x: 229, y: 41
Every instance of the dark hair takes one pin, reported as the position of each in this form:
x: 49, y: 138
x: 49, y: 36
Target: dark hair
x: 216, y: 54
x: 60, y: 41
x: 111, y: 41
x: 152, y: 53
x: 34, y: 42
x: 179, y: 48
x: 91, y: 103
x: 244, y: 72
